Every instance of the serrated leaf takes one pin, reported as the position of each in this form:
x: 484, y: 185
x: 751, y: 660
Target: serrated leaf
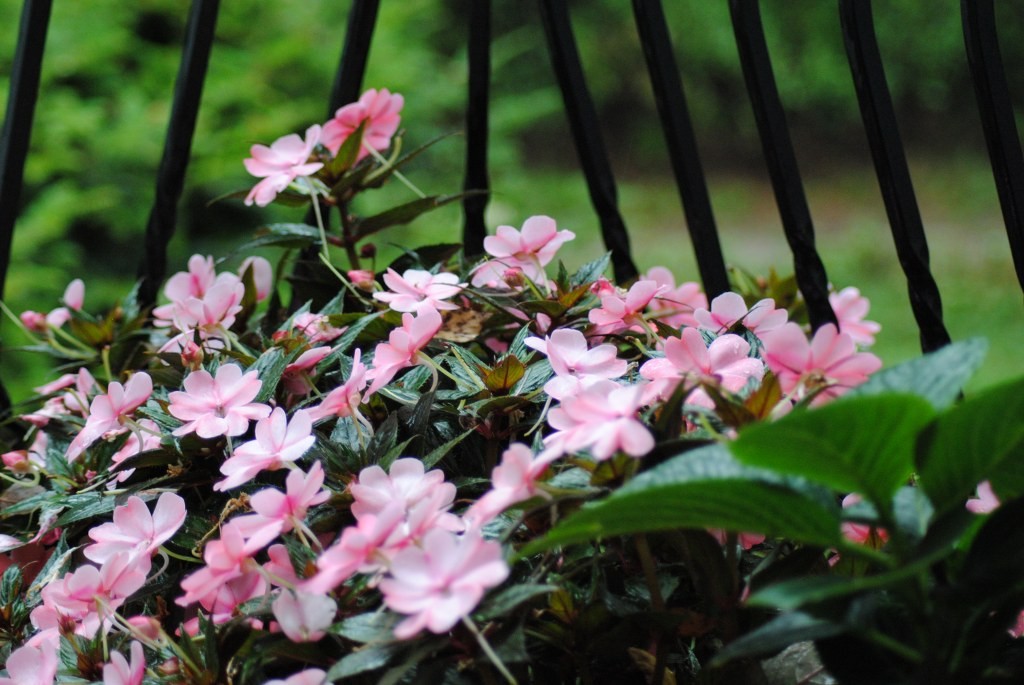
x: 591, y: 271
x: 861, y: 444
x: 84, y: 506
x: 375, y: 626
x: 383, y: 440
x: 270, y: 365
x: 10, y: 585
x: 369, y: 658
x: 439, y: 453
x: 938, y: 376
x: 704, y: 488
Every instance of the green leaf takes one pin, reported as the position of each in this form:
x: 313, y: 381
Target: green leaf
x: 370, y: 658
x: 284, y: 235
x: 510, y: 598
x: 861, y: 444
x: 375, y: 626
x: 270, y: 366
x: 348, y: 152
x: 402, y: 214
x: 84, y: 506
x: 591, y: 271
x: 504, y: 375
x: 10, y: 585
x: 704, y: 488
x: 778, y: 634
x: 938, y: 376
x: 383, y: 441
x: 972, y: 442
x: 794, y: 594
x: 439, y: 453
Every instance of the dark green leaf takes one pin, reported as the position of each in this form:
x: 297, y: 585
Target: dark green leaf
x: 402, y: 214
x: 510, y: 598
x: 270, y: 366
x: 285, y: 235
x: 10, y: 585
x: 938, y: 376
x: 370, y: 658
x: 778, y: 634
x: 383, y: 441
x: 591, y: 271
x: 861, y: 444
x: 973, y: 441
x: 439, y: 453
x: 85, y: 506
x: 705, y: 488
x: 376, y: 626
x: 348, y: 152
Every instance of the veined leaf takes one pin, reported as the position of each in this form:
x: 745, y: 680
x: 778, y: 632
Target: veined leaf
x: 972, y: 442
x: 938, y: 376
x: 860, y: 444
x: 704, y: 488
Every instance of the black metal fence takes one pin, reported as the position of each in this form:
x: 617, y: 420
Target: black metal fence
x: 982, y: 49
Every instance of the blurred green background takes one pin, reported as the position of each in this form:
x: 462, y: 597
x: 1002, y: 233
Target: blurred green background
x: 110, y: 67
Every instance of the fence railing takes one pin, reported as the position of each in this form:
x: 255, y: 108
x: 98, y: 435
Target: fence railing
x: 982, y: 50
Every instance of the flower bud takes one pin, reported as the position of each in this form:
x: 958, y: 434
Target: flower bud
x: 368, y: 251
x: 34, y: 321
x: 192, y: 356
x: 362, y: 279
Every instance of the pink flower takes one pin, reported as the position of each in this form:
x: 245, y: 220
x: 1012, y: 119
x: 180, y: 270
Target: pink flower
x: 74, y: 295
x: 311, y: 676
x: 416, y: 290
x: 262, y: 275
x: 362, y: 548
x: 513, y: 480
x: 278, y: 442
x: 687, y: 357
x: 279, y: 512
x: 376, y: 110
x: 861, y: 533
x: 108, y: 413
x: 442, y: 581
x: 618, y: 314
x: 528, y: 251
x: 90, y: 595
x: 675, y: 306
x: 199, y: 278
x: 574, y: 364
x: 228, y: 559
x: 828, y: 365
x: 286, y: 159
x: 850, y: 309
x: 316, y: 327
x: 985, y: 502
x: 304, y: 617
x: 746, y: 540
x: 729, y: 309
x: 403, y: 347
x: 217, y: 406
x: 33, y: 321
x: 344, y: 400
x: 407, y: 482
x: 209, y: 316
x: 34, y: 664
x: 603, y: 419
x: 119, y: 672
x: 146, y: 438
x: 296, y: 377
x: 136, y: 532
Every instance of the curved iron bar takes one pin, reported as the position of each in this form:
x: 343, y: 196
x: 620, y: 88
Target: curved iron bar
x: 586, y: 134
x: 891, y: 168
x: 170, y: 178
x: 997, y: 120
x: 674, y: 113
x: 473, y: 206
x: 17, y: 130
x: 781, y: 160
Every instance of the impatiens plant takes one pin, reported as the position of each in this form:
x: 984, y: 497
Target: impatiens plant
x: 461, y: 469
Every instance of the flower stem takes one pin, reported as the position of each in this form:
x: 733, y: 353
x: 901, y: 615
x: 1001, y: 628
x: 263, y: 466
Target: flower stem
x: 489, y: 651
